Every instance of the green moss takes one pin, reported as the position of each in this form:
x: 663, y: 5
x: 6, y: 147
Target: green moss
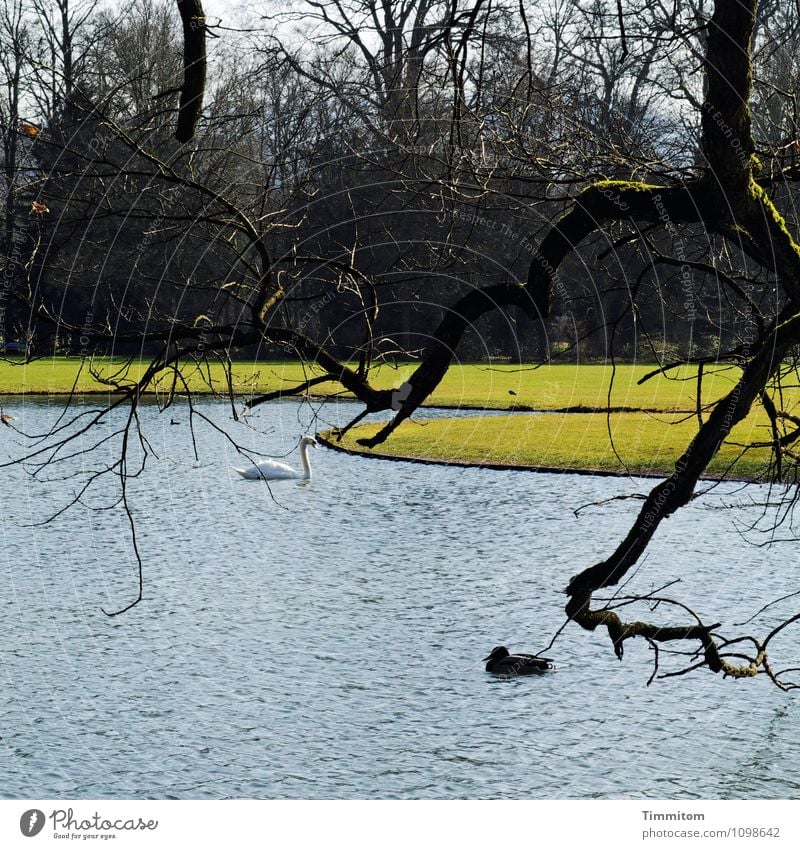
x: 762, y: 197
x: 626, y: 195
x: 623, y: 186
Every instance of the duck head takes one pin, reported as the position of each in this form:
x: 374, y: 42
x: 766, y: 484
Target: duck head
x: 497, y: 653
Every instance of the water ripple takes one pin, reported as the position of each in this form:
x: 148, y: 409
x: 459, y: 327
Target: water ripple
x: 330, y: 647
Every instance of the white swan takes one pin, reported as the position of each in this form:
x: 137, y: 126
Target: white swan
x: 272, y: 470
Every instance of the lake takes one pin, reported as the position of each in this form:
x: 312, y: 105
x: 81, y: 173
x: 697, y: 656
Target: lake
x: 324, y: 639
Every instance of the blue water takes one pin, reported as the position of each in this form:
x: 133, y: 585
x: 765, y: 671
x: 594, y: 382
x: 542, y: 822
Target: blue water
x: 324, y: 640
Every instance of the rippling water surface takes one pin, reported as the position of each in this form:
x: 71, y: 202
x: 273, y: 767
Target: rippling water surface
x: 324, y: 640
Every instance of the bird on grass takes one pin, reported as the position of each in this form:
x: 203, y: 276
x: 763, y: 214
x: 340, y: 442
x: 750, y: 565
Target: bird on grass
x: 502, y: 662
x: 272, y: 470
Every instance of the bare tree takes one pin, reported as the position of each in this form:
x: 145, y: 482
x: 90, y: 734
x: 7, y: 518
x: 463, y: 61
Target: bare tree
x: 15, y: 35
x: 728, y: 198
x: 477, y: 146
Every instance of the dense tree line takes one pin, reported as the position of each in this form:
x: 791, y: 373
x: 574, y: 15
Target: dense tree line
x: 395, y: 157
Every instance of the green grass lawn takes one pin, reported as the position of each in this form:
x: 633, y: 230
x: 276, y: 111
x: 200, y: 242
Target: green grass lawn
x: 556, y: 387
x: 57, y: 375
x: 469, y: 385
x: 645, y: 443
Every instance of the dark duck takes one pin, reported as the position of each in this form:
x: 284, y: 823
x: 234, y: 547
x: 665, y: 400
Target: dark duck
x: 501, y: 662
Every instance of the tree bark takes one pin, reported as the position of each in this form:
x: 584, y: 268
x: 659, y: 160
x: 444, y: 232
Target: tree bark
x: 194, y: 68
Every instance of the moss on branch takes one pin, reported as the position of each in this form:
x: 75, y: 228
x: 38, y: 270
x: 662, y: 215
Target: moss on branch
x: 620, y: 631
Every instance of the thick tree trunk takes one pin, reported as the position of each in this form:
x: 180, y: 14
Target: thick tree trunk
x: 194, y: 68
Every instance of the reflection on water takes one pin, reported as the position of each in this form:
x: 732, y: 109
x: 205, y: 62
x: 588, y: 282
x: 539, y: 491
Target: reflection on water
x: 324, y: 640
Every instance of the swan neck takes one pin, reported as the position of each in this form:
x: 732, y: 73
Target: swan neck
x: 304, y: 460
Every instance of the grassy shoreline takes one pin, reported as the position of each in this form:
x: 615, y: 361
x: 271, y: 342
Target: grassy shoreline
x: 588, y: 424
x: 638, y: 444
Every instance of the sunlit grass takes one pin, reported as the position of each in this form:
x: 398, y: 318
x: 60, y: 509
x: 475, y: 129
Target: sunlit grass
x: 556, y: 387
x: 468, y: 385
x: 638, y: 443
x: 58, y: 375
